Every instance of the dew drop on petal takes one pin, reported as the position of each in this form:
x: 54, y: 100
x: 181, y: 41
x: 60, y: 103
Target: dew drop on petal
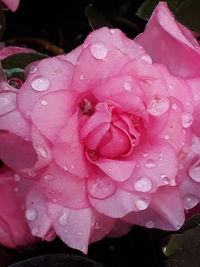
x: 158, y: 105
x: 194, y: 171
x: 150, y: 224
x: 62, y: 220
x: 143, y: 184
x: 127, y: 86
x: 190, y: 201
x: 98, y: 50
x: 42, y: 152
x: 31, y: 214
x: 82, y: 77
x: 48, y: 177
x: 17, y: 177
x: 141, y: 203
x: 34, y: 231
x: 44, y: 102
x: 150, y: 163
x: 187, y: 119
x: 40, y: 84
x: 166, y: 137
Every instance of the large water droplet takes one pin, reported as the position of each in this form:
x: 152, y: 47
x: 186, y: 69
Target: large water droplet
x: 158, y: 105
x: 17, y: 177
x: 62, y: 220
x: 150, y: 224
x: 190, y: 201
x: 187, y: 119
x: 143, y: 184
x: 31, y: 214
x: 194, y: 171
x: 141, y: 203
x: 150, y: 163
x: 42, y: 152
x: 98, y: 50
x: 127, y: 86
x: 40, y: 84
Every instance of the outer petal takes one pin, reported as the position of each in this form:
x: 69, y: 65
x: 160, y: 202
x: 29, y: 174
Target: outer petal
x: 176, y: 47
x: 72, y: 226
x: 64, y: 188
x: 53, y: 74
x: 165, y: 211
x: 120, y: 203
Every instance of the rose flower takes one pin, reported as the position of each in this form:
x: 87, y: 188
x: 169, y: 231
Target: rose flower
x: 102, y: 133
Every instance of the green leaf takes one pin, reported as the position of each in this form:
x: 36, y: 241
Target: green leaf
x: 183, y: 249
x: 186, y: 12
x: 13, y: 66
x: 96, y: 19
x: 21, y: 60
x: 58, y: 260
x: 146, y: 9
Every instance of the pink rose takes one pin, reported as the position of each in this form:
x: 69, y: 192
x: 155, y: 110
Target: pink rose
x: 102, y: 133
x: 11, y: 4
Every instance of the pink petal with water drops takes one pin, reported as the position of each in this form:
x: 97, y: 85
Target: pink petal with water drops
x: 174, y: 130
x: 156, y: 165
x: 177, y: 49
x: 42, y: 148
x: 118, y: 170
x: 99, y: 185
x: 63, y: 192
x: 47, y: 75
x: 102, y: 225
x: 165, y: 211
x: 93, y: 70
x: 16, y: 152
x: 68, y: 151
x: 114, y: 38
x: 120, y: 203
x: 36, y: 213
x: 15, y: 123
x: 72, y: 226
x: 52, y: 111
x: 11, y: 215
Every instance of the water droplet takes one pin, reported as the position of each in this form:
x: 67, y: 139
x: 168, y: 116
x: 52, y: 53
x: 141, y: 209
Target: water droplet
x: 150, y: 224
x: 166, y: 180
x: 190, y: 201
x: 62, y: 220
x: 145, y: 155
x: 31, y: 214
x: 141, y: 203
x: 34, y: 231
x: 150, y: 164
x: 147, y: 58
x: 44, y: 102
x: 16, y: 189
x: 40, y: 84
x: 65, y: 168
x: 158, y: 105
x: 17, y: 177
x: 127, y: 86
x: 98, y: 50
x: 82, y: 77
x: 174, y: 106
x: 42, y: 152
x: 143, y: 184
x: 187, y: 103
x: 166, y: 137
x: 32, y: 69
x: 48, y: 177
x: 112, y: 31
x: 72, y: 166
x: 194, y: 171
x: 187, y: 119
